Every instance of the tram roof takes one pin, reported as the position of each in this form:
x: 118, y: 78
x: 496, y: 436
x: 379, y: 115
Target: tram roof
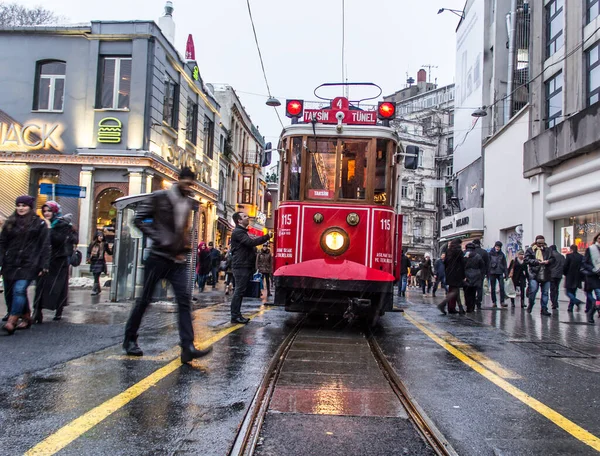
x: 348, y: 131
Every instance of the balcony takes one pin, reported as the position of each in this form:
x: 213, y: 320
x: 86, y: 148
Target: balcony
x: 252, y: 158
x: 418, y: 240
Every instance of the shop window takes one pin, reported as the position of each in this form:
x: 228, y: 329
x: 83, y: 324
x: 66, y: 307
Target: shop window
x: 593, y: 74
x: 171, y: 103
x: 554, y: 100
x: 106, y: 213
x: 593, y: 9
x: 115, y: 83
x: 191, y: 122
x: 44, y: 177
x: 209, y: 137
x: 293, y: 181
x: 554, y: 27
x: 579, y: 231
x: 353, y: 178
x: 50, y: 86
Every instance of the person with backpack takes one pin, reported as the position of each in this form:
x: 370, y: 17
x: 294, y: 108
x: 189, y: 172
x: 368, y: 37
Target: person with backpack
x: 52, y: 289
x: 497, y: 273
x: 591, y: 271
x: 24, y: 257
x: 96, y: 258
x: 474, y: 266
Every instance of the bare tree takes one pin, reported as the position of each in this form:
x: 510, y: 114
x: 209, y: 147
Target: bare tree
x: 14, y: 15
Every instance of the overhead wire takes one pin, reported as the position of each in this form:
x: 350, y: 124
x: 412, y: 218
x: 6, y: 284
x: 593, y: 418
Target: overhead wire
x: 262, y: 64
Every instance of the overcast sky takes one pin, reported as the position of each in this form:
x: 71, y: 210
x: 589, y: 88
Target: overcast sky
x: 300, y: 42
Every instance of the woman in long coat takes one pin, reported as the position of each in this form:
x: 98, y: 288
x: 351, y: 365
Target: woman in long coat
x: 51, y: 291
x: 426, y: 275
x: 455, y: 277
x: 24, y: 256
x: 573, y: 277
x: 96, y: 257
x: 591, y: 269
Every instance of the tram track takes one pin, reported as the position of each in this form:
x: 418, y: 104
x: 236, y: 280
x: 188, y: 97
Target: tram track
x: 248, y: 437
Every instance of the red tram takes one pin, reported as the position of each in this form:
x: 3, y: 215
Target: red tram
x: 338, y: 229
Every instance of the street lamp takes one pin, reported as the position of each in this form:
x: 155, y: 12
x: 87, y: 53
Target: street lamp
x: 459, y: 13
x: 480, y: 112
x: 273, y: 102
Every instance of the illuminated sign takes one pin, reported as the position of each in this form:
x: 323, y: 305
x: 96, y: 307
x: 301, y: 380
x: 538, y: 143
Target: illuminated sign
x: 380, y: 197
x: 349, y: 116
x: 109, y: 131
x: 261, y: 217
x: 196, y: 73
x: 30, y: 136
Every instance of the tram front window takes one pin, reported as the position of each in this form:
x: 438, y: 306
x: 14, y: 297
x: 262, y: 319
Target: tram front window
x: 353, y: 175
x: 295, y: 170
x: 321, y: 168
x: 381, y: 172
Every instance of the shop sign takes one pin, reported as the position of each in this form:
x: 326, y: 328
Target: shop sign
x: 30, y: 136
x: 320, y: 194
x: 261, y: 218
x: 110, y: 130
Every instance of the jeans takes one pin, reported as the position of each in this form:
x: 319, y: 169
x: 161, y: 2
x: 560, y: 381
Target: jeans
x: 554, y: 290
x: 241, y: 276
x: 15, y: 293
x: 534, y: 285
x: 215, y: 276
x: 573, y: 301
x: 403, y: 284
x: 590, y: 303
x: 268, y: 279
x: 500, y: 279
x: 157, y: 269
x: 201, y: 281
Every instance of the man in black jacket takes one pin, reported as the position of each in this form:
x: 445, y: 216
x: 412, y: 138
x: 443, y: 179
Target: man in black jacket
x: 243, y: 251
x: 556, y: 275
x: 573, y: 276
x: 164, y: 217
x: 404, y: 265
x: 486, y: 266
x: 539, y: 261
x: 497, y: 273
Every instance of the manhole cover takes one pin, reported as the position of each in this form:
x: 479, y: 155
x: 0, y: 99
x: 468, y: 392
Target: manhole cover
x: 552, y: 349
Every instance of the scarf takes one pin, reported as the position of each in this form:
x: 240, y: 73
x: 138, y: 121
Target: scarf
x: 539, y: 253
x: 595, y: 254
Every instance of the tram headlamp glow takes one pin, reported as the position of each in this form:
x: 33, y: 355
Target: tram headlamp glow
x: 335, y: 241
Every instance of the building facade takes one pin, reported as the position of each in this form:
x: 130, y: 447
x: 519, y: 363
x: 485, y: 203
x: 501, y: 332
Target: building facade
x: 561, y: 160
x: 424, y: 119
x: 110, y: 107
x: 244, y: 187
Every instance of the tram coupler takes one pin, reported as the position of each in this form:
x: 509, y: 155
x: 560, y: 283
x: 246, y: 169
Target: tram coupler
x: 356, y: 307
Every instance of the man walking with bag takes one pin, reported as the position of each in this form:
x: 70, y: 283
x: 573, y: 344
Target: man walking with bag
x: 539, y: 259
x: 165, y: 218
x: 243, y: 251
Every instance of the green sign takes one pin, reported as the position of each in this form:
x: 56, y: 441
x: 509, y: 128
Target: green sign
x: 109, y: 130
x: 196, y: 73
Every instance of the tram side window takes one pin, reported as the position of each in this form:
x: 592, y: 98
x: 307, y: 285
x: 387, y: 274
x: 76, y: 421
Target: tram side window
x: 295, y: 170
x: 321, y: 168
x: 353, y: 178
x: 381, y: 170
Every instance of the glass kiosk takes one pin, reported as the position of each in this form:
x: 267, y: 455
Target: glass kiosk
x: 131, y: 248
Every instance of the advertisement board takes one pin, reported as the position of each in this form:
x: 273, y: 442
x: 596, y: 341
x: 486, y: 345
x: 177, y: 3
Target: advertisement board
x: 469, y: 85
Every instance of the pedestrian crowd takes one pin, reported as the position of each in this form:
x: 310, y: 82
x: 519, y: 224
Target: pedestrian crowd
x: 538, y: 269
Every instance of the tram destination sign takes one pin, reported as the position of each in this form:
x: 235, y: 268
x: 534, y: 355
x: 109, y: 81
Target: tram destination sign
x: 340, y: 104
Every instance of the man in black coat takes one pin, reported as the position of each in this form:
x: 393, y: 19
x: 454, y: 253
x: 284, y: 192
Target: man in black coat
x: 556, y: 274
x: 404, y: 265
x: 439, y: 274
x: 573, y: 278
x: 243, y: 251
x: 498, y: 272
x: 539, y: 261
x: 164, y: 218
x: 486, y: 266
x: 591, y: 269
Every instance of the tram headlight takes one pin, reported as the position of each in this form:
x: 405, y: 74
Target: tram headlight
x: 335, y: 241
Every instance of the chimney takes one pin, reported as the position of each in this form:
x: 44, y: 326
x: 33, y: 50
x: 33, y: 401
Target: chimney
x: 422, y: 76
x: 167, y: 24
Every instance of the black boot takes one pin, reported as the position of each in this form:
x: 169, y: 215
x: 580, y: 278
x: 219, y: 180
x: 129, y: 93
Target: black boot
x: 5, y: 317
x: 38, y: 317
x: 132, y: 348
x: 190, y: 353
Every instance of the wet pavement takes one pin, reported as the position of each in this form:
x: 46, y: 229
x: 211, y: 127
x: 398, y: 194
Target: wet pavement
x: 493, y: 382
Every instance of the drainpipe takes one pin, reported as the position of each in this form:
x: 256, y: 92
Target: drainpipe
x: 512, y: 35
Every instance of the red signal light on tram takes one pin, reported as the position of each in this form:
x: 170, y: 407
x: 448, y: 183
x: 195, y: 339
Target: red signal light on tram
x: 386, y: 110
x: 294, y: 108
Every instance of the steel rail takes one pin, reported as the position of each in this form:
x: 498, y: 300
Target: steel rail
x: 249, y: 430
x: 422, y: 422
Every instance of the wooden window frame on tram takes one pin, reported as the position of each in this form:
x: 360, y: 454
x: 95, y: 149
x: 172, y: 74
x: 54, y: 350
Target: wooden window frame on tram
x: 371, y: 157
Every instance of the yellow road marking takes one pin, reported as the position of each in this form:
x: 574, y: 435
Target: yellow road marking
x: 558, y: 419
x: 468, y: 349
x: 76, y: 428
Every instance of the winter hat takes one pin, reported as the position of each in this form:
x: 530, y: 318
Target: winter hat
x: 520, y: 252
x: 498, y: 244
x: 477, y: 242
x: 53, y: 206
x: 26, y: 200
